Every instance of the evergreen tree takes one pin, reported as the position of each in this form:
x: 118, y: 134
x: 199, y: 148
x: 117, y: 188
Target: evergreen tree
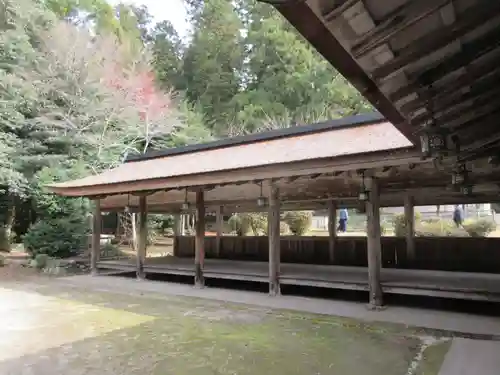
x: 213, y: 61
x: 286, y: 77
x: 167, y: 50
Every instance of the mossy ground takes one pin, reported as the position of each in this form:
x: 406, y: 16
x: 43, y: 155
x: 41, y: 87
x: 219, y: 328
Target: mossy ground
x: 88, y: 332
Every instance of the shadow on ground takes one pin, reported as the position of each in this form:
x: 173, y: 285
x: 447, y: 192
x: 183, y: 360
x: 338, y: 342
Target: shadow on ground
x: 90, y: 332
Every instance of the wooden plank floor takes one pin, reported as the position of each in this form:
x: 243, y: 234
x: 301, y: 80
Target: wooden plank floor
x: 474, y: 286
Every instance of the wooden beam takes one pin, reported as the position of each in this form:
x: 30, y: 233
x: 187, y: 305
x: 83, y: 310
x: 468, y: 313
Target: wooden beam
x: 219, y: 221
x: 337, y: 10
x: 315, y: 30
x: 409, y: 212
x: 453, y: 113
x: 199, y: 258
x: 373, y: 243
x: 143, y: 237
x: 177, y: 224
x: 471, y: 115
x: 332, y: 229
x: 475, y: 73
x: 273, y: 222
x: 473, y: 18
x: 95, y: 250
x: 468, y: 53
x: 440, y: 102
x: 394, y: 197
x: 144, y: 193
x: 468, y: 100
x: 396, y: 21
x: 374, y: 159
x: 481, y: 126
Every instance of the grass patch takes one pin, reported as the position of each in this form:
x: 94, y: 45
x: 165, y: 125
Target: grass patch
x: 433, y: 358
x: 192, y: 336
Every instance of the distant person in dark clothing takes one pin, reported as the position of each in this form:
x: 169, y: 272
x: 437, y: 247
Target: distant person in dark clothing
x: 458, y: 215
x: 343, y: 216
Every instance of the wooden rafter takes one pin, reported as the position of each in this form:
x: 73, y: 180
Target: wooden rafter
x: 447, y: 93
x: 429, y: 43
x: 398, y: 20
x: 315, y: 29
x: 477, y: 92
x: 470, y: 116
x: 462, y: 108
x: 481, y: 126
x: 474, y: 72
x: 468, y: 53
x: 337, y: 10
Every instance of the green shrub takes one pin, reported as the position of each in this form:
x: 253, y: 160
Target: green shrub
x: 58, y: 238
x: 110, y: 250
x: 400, y: 223
x: 238, y: 225
x: 479, y: 228
x: 284, y: 228
x: 431, y: 220
x: 299, y: 222
x: 256, y: 222
x: 159, y: 223
x: 51, y: 206
x: 383, y: 228
x: 439, y: 228
x: 41, y: 261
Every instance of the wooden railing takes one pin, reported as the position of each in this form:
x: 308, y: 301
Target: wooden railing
x: 432, y: 253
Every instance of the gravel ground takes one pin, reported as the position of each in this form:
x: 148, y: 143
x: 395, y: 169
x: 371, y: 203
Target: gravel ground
x: 49, y: 328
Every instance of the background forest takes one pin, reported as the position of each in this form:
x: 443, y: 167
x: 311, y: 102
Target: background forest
x: 83, y: 84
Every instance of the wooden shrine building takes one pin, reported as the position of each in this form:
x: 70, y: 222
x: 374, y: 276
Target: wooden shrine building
x: 359, y: 161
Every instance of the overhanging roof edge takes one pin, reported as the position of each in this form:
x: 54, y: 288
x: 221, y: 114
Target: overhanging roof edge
x: 312, y: 28
x: 342, y: 123
x: 112, y: 188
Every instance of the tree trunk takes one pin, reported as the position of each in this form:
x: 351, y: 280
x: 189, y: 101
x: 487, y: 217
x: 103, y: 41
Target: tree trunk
x: 8, y: 222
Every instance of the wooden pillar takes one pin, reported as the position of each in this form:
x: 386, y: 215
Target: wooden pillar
x: 199, y: 258
x: 177, y: 224
x: 142, y: 237
x: 273, y: 222
x: 95, y: 251
x: 373, y: 242
x: 410, y: 228
x: 219, y: 221
x: 177, y: 232
x: 332, y: 229
x: 182, y: 225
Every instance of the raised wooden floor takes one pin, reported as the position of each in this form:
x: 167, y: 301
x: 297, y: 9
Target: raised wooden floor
x: 473, y: 286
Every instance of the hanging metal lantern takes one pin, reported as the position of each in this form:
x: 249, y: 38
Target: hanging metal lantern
x: 364, y: 193
x: 466, y: 189
x: 261, y: 200
x: 460, y: 175
x: 185, y: 204
x: 127, y: 207
x: 424, y: 143
x: 494, y: 160
x: 434, y: 143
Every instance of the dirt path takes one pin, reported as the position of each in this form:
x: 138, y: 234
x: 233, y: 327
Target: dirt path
x: 52, y: 326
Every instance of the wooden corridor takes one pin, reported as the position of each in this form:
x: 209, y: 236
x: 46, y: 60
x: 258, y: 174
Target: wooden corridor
x: 458, y: 285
